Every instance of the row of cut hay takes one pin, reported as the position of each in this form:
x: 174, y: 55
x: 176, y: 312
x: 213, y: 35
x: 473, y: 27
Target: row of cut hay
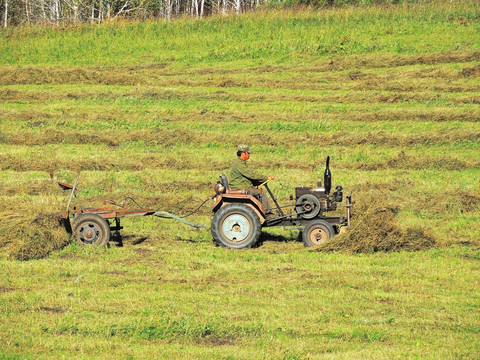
x: 300, y: 83
x: 458, y: 202
x: 171, y: 137
x: 371, y: 61
x: 413, y: 81
x: 247, y: 117
x: 157, y: 94
x: 30, y: 227
x: 436, y: 202
x: 151, y: 75
x: 24, y: 238
x: 344, y: 63
x: 375, y: 228
x: 411, y: 162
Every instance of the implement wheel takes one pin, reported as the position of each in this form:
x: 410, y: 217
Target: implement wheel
x: 236, y: 226
x: 91, y: 229
x: 317, y: 232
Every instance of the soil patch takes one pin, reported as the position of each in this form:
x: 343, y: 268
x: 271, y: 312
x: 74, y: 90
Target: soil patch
x: 51, y: 310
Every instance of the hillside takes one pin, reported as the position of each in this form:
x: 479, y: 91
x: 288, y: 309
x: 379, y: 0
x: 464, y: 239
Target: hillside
x: 155, y: 110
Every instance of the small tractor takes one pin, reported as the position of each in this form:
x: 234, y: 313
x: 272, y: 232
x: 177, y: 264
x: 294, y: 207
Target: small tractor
x: 238, y: 217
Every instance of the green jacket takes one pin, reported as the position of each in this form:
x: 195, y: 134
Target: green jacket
x: 242, y: 177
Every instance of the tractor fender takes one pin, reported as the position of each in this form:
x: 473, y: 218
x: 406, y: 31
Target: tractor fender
x: 248, y: 200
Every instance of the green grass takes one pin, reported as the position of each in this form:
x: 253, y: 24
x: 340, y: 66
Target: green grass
x: 155, y: 111
x: 252, y: 38
x: 186, y: 299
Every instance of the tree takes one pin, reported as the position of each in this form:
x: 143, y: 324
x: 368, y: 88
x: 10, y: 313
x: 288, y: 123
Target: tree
x: 58, y: 12
x: 6, y: 14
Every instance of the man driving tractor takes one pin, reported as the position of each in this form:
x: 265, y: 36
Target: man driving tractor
x: 242, y: 177
x: 241, y: 210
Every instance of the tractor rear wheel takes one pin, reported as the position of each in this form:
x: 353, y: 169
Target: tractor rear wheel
x: 91, y: 229
x: 317, y: 232
x: 236, y: 226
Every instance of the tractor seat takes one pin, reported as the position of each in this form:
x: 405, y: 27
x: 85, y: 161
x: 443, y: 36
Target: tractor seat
x: 224, y: 180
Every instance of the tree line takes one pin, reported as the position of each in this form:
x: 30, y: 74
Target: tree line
x: 20, y: 12
x: 15, y: 12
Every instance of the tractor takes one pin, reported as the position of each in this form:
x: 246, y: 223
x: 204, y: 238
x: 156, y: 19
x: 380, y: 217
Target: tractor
x: 238, y: 217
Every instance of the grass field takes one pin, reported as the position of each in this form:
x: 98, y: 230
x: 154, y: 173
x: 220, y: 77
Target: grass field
x: 155, y: 111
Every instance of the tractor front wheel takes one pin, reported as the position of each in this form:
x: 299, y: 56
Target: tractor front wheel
x: 236, y: 226
x: 317, y: 232
x: 91, y: 229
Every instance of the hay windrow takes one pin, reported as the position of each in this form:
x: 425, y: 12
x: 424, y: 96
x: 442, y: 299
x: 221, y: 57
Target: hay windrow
x: 377, y: 229
x: 160, y: 94
x: 24, y: 238
x: 167, y: 137
x: 405, y: 161
x: 132, y: 75
x: 470, y: 72
x: 456, y: 202
x: 45, y: 118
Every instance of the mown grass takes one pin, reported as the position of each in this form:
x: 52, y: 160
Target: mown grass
x: 155, y: 111
x: 185, y: 299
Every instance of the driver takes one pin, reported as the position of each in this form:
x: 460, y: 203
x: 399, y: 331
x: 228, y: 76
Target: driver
x: 244, y: 178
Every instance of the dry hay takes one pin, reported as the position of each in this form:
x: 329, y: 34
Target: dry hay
x: 457, y: 202
x: 375, y: 228
x: 157, y: 94
x: 386, y: 90
x: 470, y: 72
x: 24, y: 239
x: 158, y: 73
x: 405, y: 161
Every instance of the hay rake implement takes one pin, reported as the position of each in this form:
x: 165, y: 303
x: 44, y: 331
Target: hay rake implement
x: 94, y: 226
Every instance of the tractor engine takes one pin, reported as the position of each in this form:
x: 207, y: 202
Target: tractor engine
x: 312, y: 202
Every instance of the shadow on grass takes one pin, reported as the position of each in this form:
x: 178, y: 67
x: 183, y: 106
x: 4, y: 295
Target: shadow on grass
x: 118, y: 239
x: 288, y: 237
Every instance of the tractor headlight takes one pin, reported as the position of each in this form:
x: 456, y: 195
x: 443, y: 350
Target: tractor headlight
x: 219, y: 188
